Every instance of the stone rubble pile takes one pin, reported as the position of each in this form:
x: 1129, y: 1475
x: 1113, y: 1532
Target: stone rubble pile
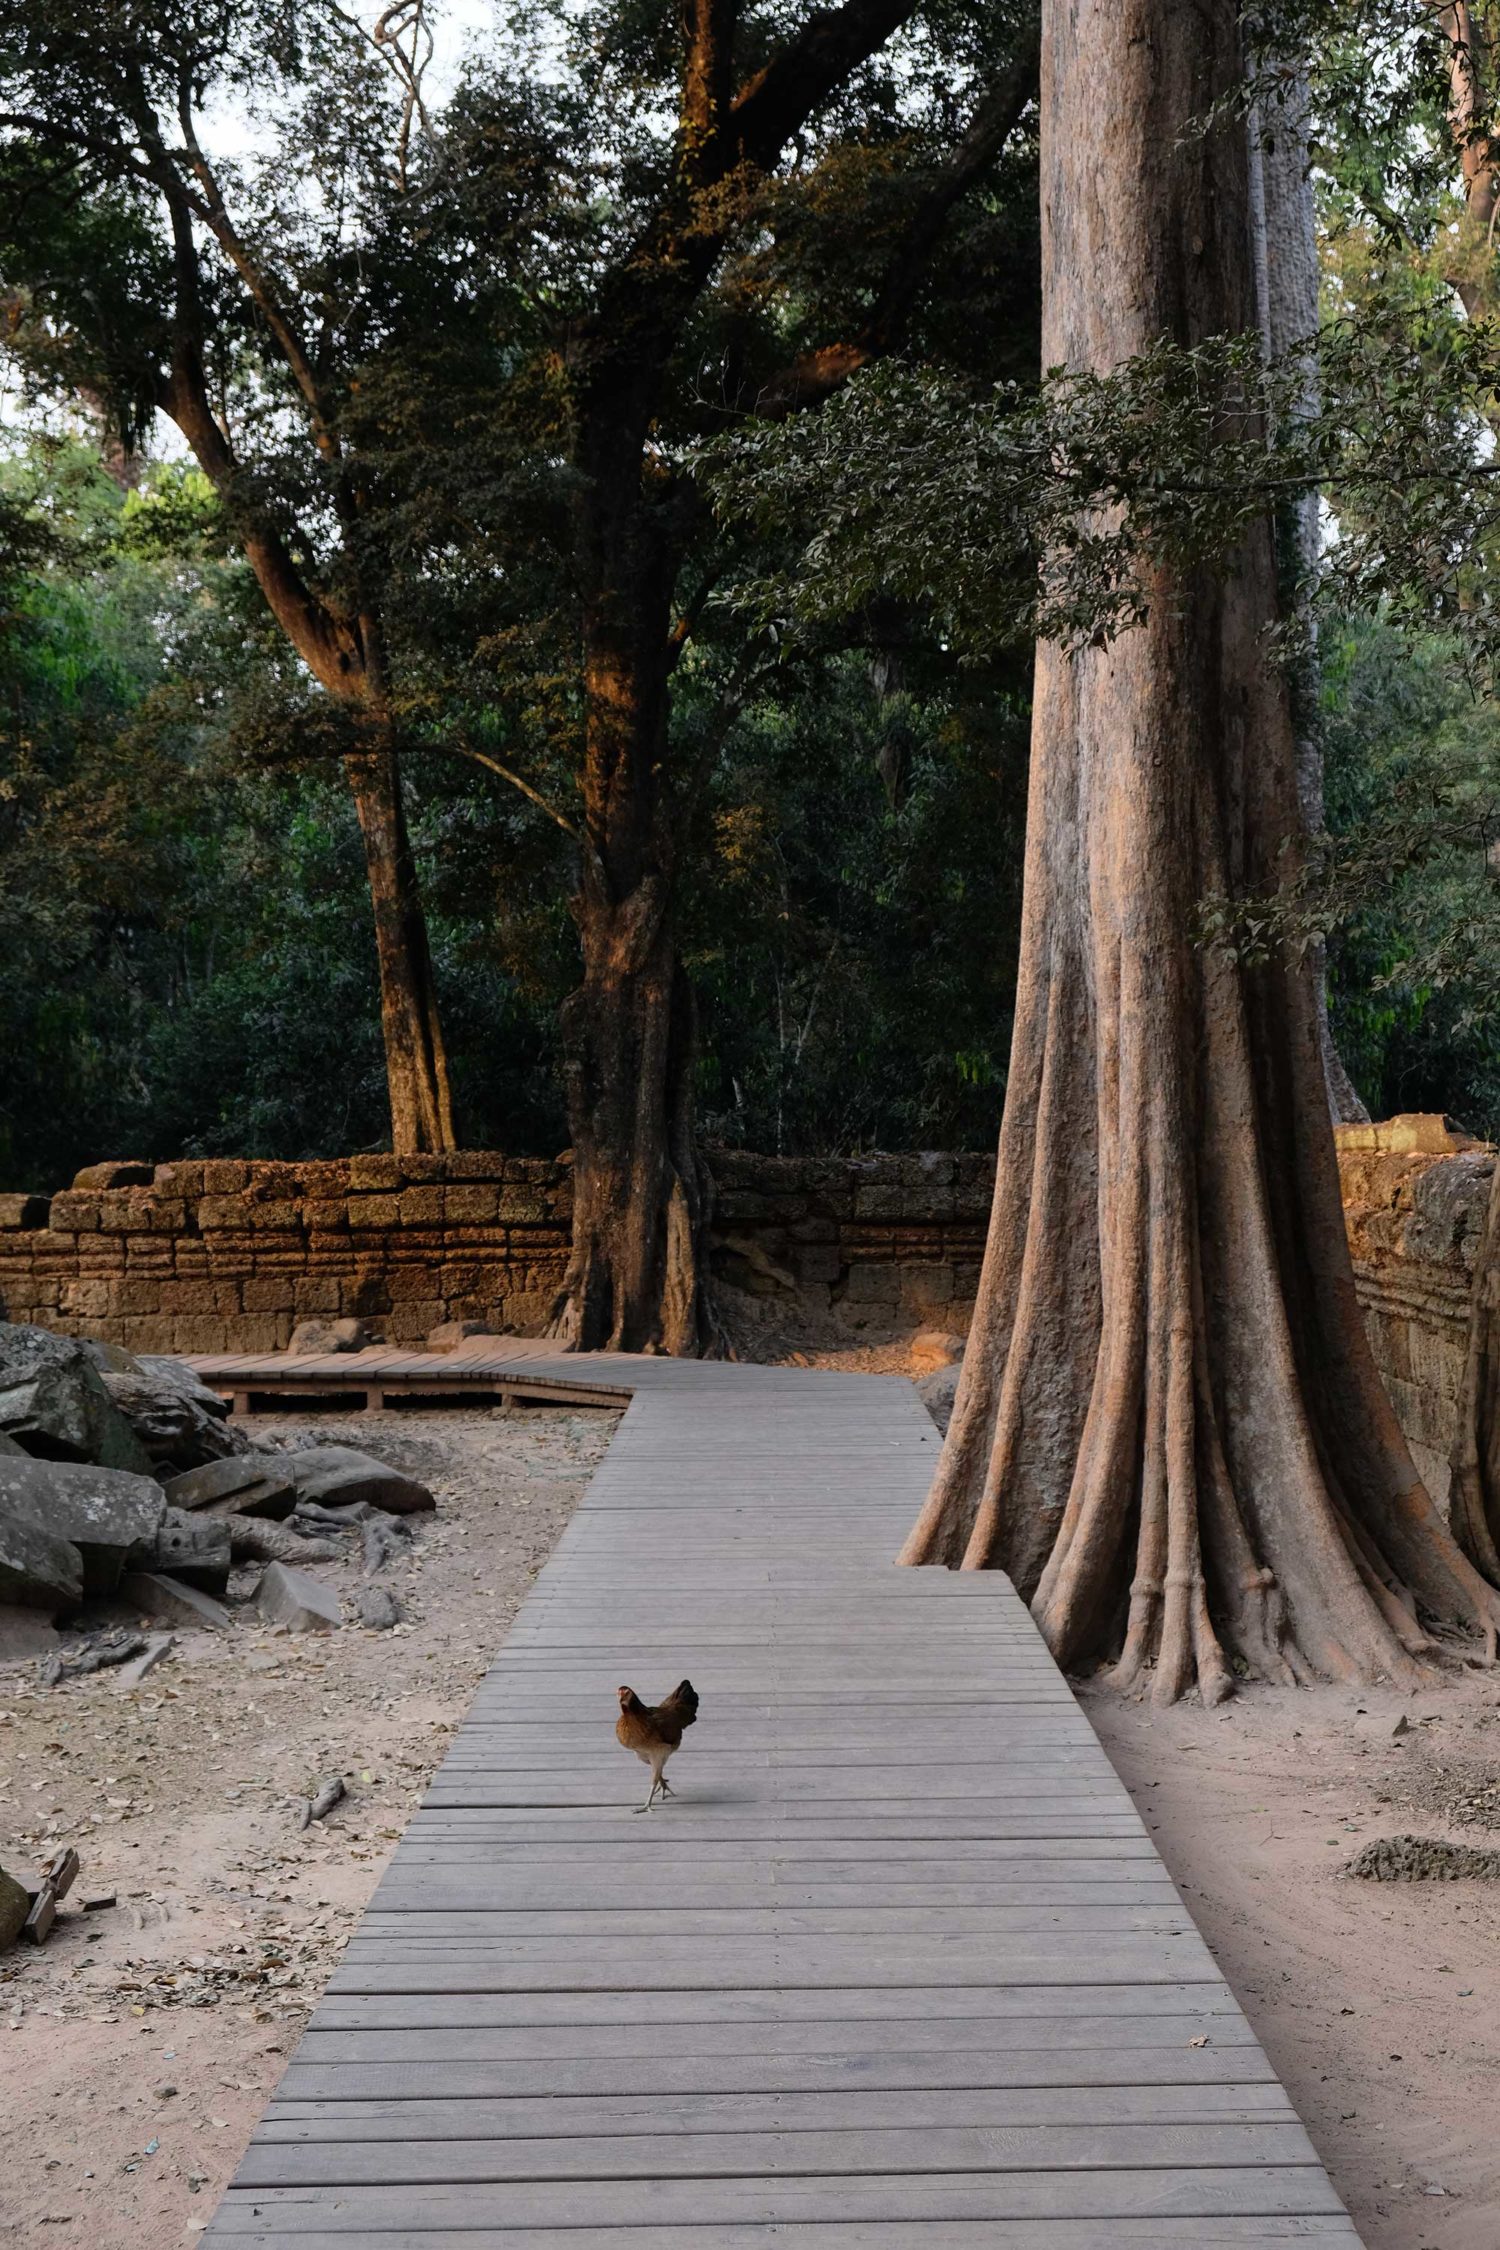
x: 127, y: 1494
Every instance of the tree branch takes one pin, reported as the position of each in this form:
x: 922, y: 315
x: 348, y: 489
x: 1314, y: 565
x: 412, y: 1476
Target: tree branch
x: 780, y: 99
x: 475, y: 757
x: 815, y: 375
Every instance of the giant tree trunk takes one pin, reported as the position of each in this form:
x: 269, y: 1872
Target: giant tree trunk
x: 1169, y: 1428
x: 416, y: 1061
x: 636, y: 1278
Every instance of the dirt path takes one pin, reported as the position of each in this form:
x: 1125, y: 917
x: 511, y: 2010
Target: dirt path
x: 1378, y: 2003
x: 141, y: 2043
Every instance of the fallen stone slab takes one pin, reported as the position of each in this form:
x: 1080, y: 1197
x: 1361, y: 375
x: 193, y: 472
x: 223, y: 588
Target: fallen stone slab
x: 173, y: 1601
x: 243, y: 1484
x: 194, y: 1548
x: 336, y: 1476
x: 54, y: 1403
x: 298, y: 1601
x: 178, y: 1421
x: 105, y: 1513
x: 38, y: 1568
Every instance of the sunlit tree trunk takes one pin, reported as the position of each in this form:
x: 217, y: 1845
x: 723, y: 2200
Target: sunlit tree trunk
x: 416, y: 1061
x: 637, y: 1276
x: 1169, y: 1428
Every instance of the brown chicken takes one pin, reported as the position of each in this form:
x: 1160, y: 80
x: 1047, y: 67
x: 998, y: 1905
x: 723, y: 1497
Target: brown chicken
x: 654, y: 1730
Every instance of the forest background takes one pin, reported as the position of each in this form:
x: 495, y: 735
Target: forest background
x: 184, y: 907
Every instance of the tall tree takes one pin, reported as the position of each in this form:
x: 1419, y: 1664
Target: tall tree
x: 1169, y: 1428
x: 636, y: 1279
x: 150, y: 274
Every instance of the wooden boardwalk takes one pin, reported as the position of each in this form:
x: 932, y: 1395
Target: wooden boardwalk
x: 900, y: 1969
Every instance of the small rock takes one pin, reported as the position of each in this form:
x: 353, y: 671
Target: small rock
x: 311, y: 1336
x: 322, y: 1801
x: 173, y: 1601
x: 932, y: 1348
x: 938, y: 1392
x: 15, y: 1905
x: 449, y: 1334
x: 382, y: 1538
x: 295, y: 1599
x: 377, y: 1608
x: 158, y: 1647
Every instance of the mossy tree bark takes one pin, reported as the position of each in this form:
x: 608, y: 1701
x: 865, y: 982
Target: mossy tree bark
x: 1169, y: 1429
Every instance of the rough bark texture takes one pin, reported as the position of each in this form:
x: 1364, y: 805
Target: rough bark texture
x: 637, y: 1277
x: 1169, y: 1427
x: 1474, y: 1495
x: 1284, y: 251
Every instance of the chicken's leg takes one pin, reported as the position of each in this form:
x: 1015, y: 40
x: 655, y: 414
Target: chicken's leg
x: 657, y: 1783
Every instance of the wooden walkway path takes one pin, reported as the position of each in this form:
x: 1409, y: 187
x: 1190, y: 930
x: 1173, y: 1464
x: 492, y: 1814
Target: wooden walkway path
x: 900, y: 1968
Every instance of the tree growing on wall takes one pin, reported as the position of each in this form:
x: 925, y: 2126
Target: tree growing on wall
x: 1169, y: 1428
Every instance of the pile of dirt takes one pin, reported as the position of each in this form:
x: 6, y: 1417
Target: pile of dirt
x: 1423, y: 1859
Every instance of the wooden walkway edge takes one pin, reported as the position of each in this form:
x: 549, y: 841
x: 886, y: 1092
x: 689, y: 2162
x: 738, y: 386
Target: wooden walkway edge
x: 899, y: 1969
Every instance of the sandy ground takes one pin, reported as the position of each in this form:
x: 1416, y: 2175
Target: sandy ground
x: 1378, y: 2003
x: 139, y: 2045
x: 149, y: 2035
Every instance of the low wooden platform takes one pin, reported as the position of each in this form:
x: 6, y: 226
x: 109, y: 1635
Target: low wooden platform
x: 483, y: 1368
x: 899, y: 1969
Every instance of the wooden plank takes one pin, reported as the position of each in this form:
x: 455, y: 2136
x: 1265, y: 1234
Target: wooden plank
x: 1153, y: 2193
x: 388, y: 2162
x: 435, y: 2116
x: 381, y: 2076
x: 1335, y: 2233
